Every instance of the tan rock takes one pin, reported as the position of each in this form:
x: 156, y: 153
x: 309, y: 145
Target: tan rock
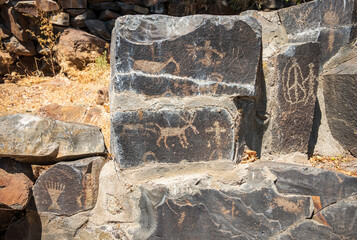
x: 4, y: 32
x: 13, y: 45
x: 16, y: 22
x: 15, y: 190
x: 47, y: 5
x: 27, y: 7
x: 60, y: 19
x: 78, y: 48
x: 78, y: 113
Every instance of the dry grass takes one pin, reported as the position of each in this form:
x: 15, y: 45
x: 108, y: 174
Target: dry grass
x: 343, y: 164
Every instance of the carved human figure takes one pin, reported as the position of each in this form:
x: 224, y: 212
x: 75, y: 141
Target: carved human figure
x: 217, y: 130
x: 208, y: 52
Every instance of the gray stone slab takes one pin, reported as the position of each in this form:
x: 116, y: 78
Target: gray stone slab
x: 339, y: 88
x: 297, y: 72
x: 172, y: 136
x: 167, y: 56
x: 39, y: 140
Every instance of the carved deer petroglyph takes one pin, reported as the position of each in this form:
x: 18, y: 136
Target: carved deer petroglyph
x: 179, y: 132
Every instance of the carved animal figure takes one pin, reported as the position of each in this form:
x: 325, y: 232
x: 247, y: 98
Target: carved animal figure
x: 179, y: 132
x: 154, y: 67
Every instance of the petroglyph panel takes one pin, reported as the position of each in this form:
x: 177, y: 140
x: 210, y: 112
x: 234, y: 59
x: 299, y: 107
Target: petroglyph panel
x: 167, y: 56
x: 172, y: 136
x: 297, y: 67
x: 68, y: 188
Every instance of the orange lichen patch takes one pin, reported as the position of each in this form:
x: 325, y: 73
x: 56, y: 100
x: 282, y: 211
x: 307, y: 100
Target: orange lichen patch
x: 317, y: 202
x: 343, y: 164
x: 249, y: 156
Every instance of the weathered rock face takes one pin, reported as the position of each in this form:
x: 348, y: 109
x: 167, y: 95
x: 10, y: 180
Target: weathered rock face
x: 77, y: 113
x: 339, y: 89
x: 33, y: 139
x: 297, y: 67
x: 13, y: 45
x: 47, y: 5
x: 262, y: 201
x: 15, y: 184
x: 73, y: 4
x: 200, y: 122
x: 16, y: 22
x: 27, y: 7
x: 152, y: 65
x: 329, y: 22
x: 98, y: 28
x: 77, y: 48
x: 173, y: 136
x: 68, y: 188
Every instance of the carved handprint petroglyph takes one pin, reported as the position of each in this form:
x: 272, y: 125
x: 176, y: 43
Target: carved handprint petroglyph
x: 54, y: 190
x: 179, y: 132
x: 296, y: 88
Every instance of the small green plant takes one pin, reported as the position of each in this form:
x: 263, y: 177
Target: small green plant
x: 101, y: 61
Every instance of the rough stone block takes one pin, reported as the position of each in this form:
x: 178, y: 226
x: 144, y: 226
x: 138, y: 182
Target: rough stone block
x: 47, y: 5
x: 13, y: 45
x: 73, y: 4
x: 16, y: 181
x: 67, y: 188
x: 336, y: 13
x: 189, y: 56
x: 27, y: 7
x: 98, y: 28
x: 297, y: 68
x: 331, y: 40
x: 339, y: 89
x: 172, y: 136
x: 38, y: 140
x: 16, y: 22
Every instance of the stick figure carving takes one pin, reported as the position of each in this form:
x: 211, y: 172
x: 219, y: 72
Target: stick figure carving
x: 54, y: 190
x: 217, y: 130
x: 296, y: 88
x: 208, y: 51
x: 179, y: 132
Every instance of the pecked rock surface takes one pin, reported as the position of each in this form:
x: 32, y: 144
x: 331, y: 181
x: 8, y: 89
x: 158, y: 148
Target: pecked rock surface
x: 218, y: 200
x: 39, y: 140
x: 175, y: 60
x: 173, y: 90
x: 339, y: 88
x: 332, y: 23
x: 69, y: 187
